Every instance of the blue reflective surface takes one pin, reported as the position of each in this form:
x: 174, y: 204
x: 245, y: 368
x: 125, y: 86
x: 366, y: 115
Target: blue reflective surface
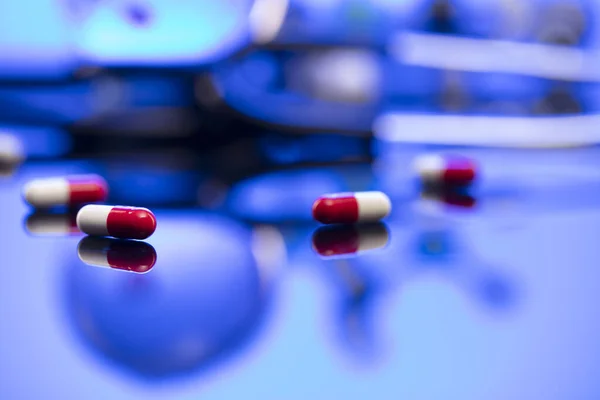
x: 486, y: 293
x: 462, y: 299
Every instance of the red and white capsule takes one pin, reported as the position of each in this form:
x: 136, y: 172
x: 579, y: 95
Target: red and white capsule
x: 449, y: 170
x: 65, y: 191
x: 116, y: 221
x: 349, y: 240
x: 126, y: 255
x: 349, y: 208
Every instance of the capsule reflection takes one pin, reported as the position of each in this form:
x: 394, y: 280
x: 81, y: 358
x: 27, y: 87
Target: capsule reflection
x: 126, y: 255
x: 349, y: 240
x: 448, y: 196
x: 43, y: 223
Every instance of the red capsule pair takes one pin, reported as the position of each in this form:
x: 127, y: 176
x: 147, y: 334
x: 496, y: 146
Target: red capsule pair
x: 96, y: 220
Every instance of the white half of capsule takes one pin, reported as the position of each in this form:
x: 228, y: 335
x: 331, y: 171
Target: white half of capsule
x: 92, y: 218
x: 429, y: 167
x: 47, y: 192
x: 372, y: 206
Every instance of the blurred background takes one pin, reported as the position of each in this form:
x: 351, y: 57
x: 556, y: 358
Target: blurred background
x: 228, y: 118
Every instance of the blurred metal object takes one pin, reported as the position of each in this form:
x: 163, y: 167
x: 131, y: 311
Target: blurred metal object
x: 485, y: 55
x: 520, y: 132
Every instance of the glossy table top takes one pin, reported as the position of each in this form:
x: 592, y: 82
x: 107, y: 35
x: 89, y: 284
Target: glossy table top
x: 493, y: 296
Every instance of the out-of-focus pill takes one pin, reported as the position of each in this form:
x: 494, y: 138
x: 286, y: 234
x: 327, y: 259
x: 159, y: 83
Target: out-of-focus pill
x: 347, y: 240
x: 43, y: 223
x: 439, y: 169
x: 127, y: 255
x: 11, y: 149
x: 349, y: 208
x: 65, y: 191
x: 117, y: 221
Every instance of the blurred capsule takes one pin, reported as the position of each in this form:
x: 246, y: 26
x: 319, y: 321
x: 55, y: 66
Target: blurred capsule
x: 11, y: 153
x: 340, y: 240
x: 127, y: 255
x: 349, y: 208
x: 45, y: 223
x: 434, y: 169
x: 65, y: 191
x: 11, y: 149
x: 117, y: 221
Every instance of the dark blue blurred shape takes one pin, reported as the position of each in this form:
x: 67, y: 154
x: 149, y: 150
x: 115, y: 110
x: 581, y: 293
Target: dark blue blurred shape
x: 138, y: 14
x: 497, y: 291
x: 200, y: 302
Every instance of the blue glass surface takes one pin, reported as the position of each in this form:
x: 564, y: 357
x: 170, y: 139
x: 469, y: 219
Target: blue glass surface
x: 490, y: 294
x: 490, y: 301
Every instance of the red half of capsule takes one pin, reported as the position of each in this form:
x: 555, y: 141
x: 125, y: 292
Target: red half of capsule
x: 87, y: 189
x: 339, y: 209
x: 459, y: 171
x: 130, y: 223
